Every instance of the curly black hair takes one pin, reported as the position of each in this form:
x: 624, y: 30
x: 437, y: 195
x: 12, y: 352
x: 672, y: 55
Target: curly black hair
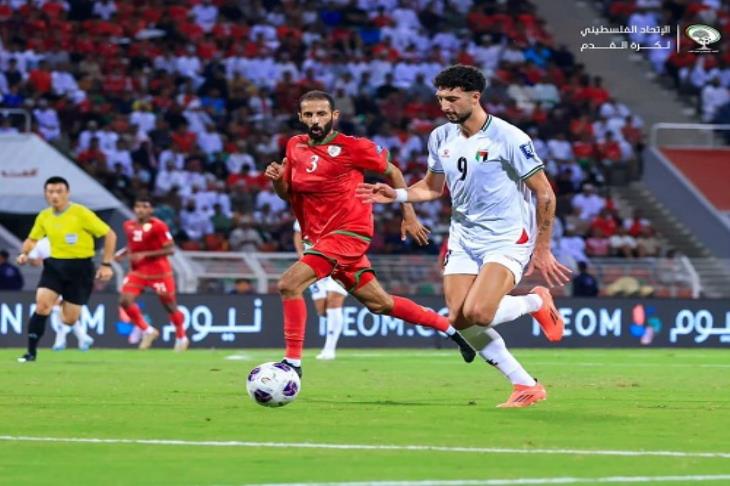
x: 461, y: 76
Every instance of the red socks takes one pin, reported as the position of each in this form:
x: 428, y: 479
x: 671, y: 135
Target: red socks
x: 409, y: 311
x: 295, y: 321
x: 178, y: 320
x: 135, y: 315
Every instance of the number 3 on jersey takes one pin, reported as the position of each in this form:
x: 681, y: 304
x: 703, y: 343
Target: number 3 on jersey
x: 461, y: 165
x: 313, y: 161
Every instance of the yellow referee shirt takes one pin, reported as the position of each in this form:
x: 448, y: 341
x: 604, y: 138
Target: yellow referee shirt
x: 70, y: 233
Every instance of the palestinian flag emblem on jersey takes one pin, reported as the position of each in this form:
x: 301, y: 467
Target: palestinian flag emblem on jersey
x: 482, y: 155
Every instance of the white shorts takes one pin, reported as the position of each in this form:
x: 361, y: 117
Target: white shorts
x: 462, y: 261
x: 319, y: 289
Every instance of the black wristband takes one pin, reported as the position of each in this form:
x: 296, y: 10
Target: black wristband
x: 106, y: 264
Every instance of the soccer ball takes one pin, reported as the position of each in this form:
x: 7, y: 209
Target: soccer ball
x: 273, y: 384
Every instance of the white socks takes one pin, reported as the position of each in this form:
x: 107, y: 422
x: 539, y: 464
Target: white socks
x: 511, y: 307
x: 335, y: 321
x: 494, y: 351
x: 79, y: 332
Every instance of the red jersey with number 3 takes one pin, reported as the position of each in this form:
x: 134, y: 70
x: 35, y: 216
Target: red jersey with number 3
x: 322, y: 181
x: 150, y: 236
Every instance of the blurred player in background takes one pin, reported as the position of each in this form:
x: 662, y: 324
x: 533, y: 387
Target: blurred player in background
x: 502, y: 212
x: 328, y: 297
x: 318, y: 177
x: 69, y: 271
x: 36, y: 256
x: 149, y: 243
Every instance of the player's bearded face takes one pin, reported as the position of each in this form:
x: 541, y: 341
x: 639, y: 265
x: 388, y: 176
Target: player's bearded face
x: 318, y: 132
x: 319, y: 118
x: 456, y: 104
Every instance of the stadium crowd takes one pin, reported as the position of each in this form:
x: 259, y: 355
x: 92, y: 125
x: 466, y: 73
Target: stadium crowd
x: 703, y: 75
x: 189, y: 101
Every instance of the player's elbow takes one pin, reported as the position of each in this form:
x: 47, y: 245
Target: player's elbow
x: 546, y: 197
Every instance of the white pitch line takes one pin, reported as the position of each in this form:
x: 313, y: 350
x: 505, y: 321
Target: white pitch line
x: 366, y: 447
x: 525, y: 481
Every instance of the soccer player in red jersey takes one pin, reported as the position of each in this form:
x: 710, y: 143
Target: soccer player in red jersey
x: 318, y: 177
x: 149, y: 243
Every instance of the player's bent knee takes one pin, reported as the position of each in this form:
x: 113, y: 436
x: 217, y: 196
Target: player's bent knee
x: 480, y: 315
x: 287, y: 286
x: 43, y: 309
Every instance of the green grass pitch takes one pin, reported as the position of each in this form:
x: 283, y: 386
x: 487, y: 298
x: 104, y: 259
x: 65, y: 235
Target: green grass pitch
x: 619, y: 400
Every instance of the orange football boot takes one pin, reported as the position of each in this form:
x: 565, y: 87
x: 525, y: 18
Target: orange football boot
x: 524, y: 396
x: 550, y: 320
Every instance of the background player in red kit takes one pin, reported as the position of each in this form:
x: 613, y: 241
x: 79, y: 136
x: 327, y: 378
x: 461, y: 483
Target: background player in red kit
x: 149, y: 243
x: 318, y: 177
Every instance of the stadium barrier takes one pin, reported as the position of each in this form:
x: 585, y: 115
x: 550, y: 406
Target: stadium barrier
x: 254, y: 321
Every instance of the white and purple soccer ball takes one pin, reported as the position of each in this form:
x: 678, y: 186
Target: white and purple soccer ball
x: 273, y: 384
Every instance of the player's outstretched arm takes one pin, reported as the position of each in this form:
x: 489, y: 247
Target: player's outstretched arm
x: 275, y: 172
x: 427, y: 189
x: 554, y: 273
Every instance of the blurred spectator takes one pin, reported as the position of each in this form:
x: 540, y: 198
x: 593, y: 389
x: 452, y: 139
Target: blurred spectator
x: 714, y: 95
x: 637, y: 223
x: 647, y: 244
x: 245, y: 237
x: 572, y: 248
x: 588, y: 202
x: 10, y: 276
x: 584, y: 284
x: 605, y: 222
x: 242, y: 286
x: 194, y: 222
x: 597, y: 245
x: 623, y: 244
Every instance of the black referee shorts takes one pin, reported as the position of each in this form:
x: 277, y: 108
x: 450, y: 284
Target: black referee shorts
x: 73, y: 278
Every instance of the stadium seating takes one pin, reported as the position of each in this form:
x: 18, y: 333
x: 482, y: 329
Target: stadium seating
x: 190, y: 101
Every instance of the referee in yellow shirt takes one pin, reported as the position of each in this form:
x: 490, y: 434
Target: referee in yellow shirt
x: 69, y: 271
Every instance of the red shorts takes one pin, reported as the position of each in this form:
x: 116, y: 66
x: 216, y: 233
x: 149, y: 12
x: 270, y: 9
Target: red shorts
x: 345, y: 259
x: 135, y: 284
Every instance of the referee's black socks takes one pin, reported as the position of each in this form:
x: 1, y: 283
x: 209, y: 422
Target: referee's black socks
x: 36, y: 328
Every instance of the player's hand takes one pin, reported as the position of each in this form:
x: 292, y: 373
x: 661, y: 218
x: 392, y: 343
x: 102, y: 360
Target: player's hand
x: 412, y: 227
x: 275, y: 170
x: 555, y: 273
x: 22, y: 259
x: 375, y: 193
x: 104, y: 273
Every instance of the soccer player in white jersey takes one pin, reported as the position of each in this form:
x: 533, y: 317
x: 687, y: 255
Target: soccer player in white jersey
x: 501, y: 223
x: 328, y: 297
x: 40, y: 252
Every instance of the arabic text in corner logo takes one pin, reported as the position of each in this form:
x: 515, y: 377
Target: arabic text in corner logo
x: 646, y: 324
x: 703, y: 35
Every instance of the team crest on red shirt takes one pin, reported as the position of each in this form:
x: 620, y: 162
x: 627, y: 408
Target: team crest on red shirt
x: 334, y: 150
x: 146, y: 227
